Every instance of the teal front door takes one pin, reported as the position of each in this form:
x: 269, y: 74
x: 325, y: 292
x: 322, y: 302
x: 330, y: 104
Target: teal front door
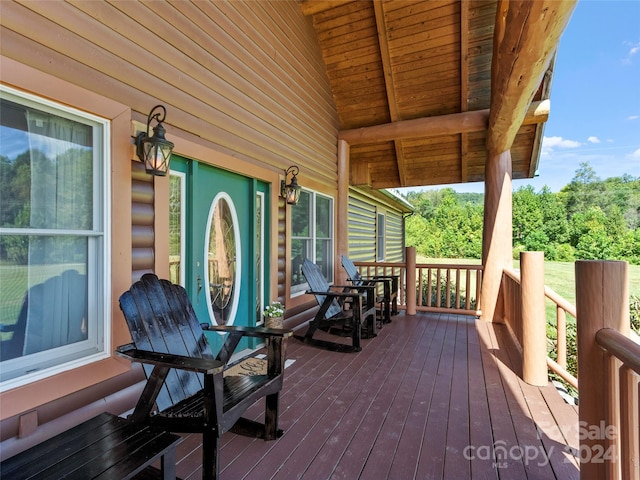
x: 223, y: 245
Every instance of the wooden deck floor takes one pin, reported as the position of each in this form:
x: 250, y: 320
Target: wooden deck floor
x: 433, y: 396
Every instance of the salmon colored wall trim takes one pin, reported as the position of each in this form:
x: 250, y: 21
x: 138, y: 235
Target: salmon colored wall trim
x: 29, y: 397
x: 120, y: 226
x: 44, y: 85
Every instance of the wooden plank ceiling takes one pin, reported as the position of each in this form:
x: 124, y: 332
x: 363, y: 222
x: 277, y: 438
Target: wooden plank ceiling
x: 421, y: 73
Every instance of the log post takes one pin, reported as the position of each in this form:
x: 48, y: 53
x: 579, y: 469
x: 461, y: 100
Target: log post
x: 534, y: 328
x: 497, y: 232
x: 411, y: 280
x: 602, y: 301
x: 342, y: 212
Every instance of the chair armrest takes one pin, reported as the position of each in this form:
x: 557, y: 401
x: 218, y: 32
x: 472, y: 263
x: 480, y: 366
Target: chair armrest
x: 348, y: 286
x: 392, y: 279
x: 202, y: 365
x: 359, y: 288
x: 262, y: 332
x: 337, y: 294
x: 236, y: 333
x: 371, y: 279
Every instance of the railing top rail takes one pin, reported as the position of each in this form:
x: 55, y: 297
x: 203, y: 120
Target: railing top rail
x: 561, y: 302
x: 456, y: 266
x: 549, y: 293
x: 513, y: 274
x: 621, y: 347
x: 380, y: 264
x: 461, y: 266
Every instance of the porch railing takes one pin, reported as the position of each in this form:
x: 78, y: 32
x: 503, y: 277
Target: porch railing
x: 438, y: 287
x: 609, y: 372
x: 609, y: 358
x: 512, y: 295
x: 623, y: 356
x: 609, y: 362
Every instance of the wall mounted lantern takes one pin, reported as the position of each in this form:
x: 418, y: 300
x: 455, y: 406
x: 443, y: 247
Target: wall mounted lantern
x: 155, y: 151
x: 291, y: 191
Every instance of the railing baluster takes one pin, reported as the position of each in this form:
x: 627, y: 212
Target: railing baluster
x: 467, y: 302
x: 457, y: 288
x: 428, y: 304
x: 561, y: 338
x: 433, y: 285
x: 629, y: 436
x: 420, y: 282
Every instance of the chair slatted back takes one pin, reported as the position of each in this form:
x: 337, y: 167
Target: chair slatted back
x: 161, y: 319
x: 352, y: 271
x: 318, y: 283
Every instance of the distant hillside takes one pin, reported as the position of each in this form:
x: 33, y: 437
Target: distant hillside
x: 589, y: 218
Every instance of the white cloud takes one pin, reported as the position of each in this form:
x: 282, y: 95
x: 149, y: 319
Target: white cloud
x: 560, y: 142
x: 633, y: 117
x: 550, y: 143
x: 633, y: 50
x: 593, y: 139
x: 635, y: 155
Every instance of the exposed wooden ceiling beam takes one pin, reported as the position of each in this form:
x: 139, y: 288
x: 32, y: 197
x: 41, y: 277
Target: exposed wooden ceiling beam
x: 525, y: 39
x: 381, y: 26
x: 537, y: 142
x: 311, y: 7
x: 464, y: 85
x: 464, y: 122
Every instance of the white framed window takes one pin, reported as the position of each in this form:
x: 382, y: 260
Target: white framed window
x: 259, y: 254
x: 380, y: 244
x: 177, y: 226
x: 54, y: 248
x: 311, y: 237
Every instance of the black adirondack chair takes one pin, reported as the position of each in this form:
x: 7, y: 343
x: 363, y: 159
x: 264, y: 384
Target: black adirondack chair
x: 186, y: 390
x: 389, y: 297
x: 343, y: 308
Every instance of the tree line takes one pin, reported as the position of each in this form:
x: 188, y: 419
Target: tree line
x: 589, y: 218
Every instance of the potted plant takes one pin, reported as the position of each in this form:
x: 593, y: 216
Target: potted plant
x: 273, y: 315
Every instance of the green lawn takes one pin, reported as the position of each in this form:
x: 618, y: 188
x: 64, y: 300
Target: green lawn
x: 560, y: 277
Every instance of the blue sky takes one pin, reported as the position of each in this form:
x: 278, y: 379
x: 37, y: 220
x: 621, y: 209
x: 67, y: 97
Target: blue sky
x: 595, y: 97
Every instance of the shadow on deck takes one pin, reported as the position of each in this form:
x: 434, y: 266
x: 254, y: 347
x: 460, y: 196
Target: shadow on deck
x: 433, y: 396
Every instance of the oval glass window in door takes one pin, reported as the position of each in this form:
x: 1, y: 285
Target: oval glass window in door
x: 222, y: 253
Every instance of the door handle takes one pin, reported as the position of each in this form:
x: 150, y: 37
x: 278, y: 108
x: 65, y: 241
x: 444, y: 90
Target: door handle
x: 199, y: 286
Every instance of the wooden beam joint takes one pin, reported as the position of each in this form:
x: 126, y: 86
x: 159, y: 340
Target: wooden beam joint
x: 464, y: 122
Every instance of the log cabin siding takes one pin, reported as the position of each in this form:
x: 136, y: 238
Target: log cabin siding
x: 362, y: 229
x: 142, y: 222
x: 363, y: 211
x: 246, y: 77
x: 394, y: 237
